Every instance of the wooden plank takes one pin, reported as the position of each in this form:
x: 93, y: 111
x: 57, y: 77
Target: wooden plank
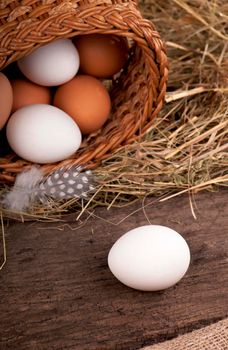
x: 58, y: 293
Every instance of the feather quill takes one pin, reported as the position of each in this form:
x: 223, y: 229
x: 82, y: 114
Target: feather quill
x: 32, y: 186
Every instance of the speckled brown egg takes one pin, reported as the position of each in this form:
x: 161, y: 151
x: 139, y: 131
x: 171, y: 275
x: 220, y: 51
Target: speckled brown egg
x: 101, y: 55
x: 86, y: 100
x: 6, y: 99
x: 27, y: 93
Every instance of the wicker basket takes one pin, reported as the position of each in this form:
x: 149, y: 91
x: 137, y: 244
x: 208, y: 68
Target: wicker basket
x: 138, y: 93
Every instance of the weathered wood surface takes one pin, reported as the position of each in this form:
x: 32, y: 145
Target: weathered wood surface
x: 56, y: 291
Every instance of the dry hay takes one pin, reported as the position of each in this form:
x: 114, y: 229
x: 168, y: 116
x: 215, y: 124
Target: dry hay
x: 186, y: 148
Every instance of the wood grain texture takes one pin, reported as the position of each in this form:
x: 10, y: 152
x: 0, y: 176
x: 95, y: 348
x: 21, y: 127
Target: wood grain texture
x: 56, y: 291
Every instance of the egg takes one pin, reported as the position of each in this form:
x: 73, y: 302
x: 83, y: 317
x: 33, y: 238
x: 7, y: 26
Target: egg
x: 42, y: 133
x: 101, y: 55
x: 52, y: 64
x: 86, y: 100
x: 6, y: 99
x: 149, y: 258
x: 26, y: 93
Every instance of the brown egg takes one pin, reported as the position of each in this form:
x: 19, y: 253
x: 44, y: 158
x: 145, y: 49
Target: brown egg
x: 101, y: 55
x: 26, y: 93
x: 6, y: 99
x: 86, y: 100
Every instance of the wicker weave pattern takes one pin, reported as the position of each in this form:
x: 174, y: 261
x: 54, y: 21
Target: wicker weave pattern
x: 137, y: 95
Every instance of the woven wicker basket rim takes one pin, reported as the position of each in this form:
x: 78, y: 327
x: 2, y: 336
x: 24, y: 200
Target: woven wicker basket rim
x: 137, y: 98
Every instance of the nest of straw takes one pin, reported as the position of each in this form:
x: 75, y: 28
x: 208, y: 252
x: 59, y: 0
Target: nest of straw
x: 186, y: 148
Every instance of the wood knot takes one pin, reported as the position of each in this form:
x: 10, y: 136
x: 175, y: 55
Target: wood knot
x: 17, y: 12
x: 4, y: 4
x: 67, y: 6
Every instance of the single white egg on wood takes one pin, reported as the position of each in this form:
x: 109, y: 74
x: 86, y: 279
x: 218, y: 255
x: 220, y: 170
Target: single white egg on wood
x: 43, y: 133
x: 149, y: 258
x: 52, y: 64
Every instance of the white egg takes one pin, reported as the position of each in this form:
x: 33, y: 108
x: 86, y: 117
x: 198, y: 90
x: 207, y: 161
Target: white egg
x: 52, y: 64
x: 43, y: 134
x: 149, y: 258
